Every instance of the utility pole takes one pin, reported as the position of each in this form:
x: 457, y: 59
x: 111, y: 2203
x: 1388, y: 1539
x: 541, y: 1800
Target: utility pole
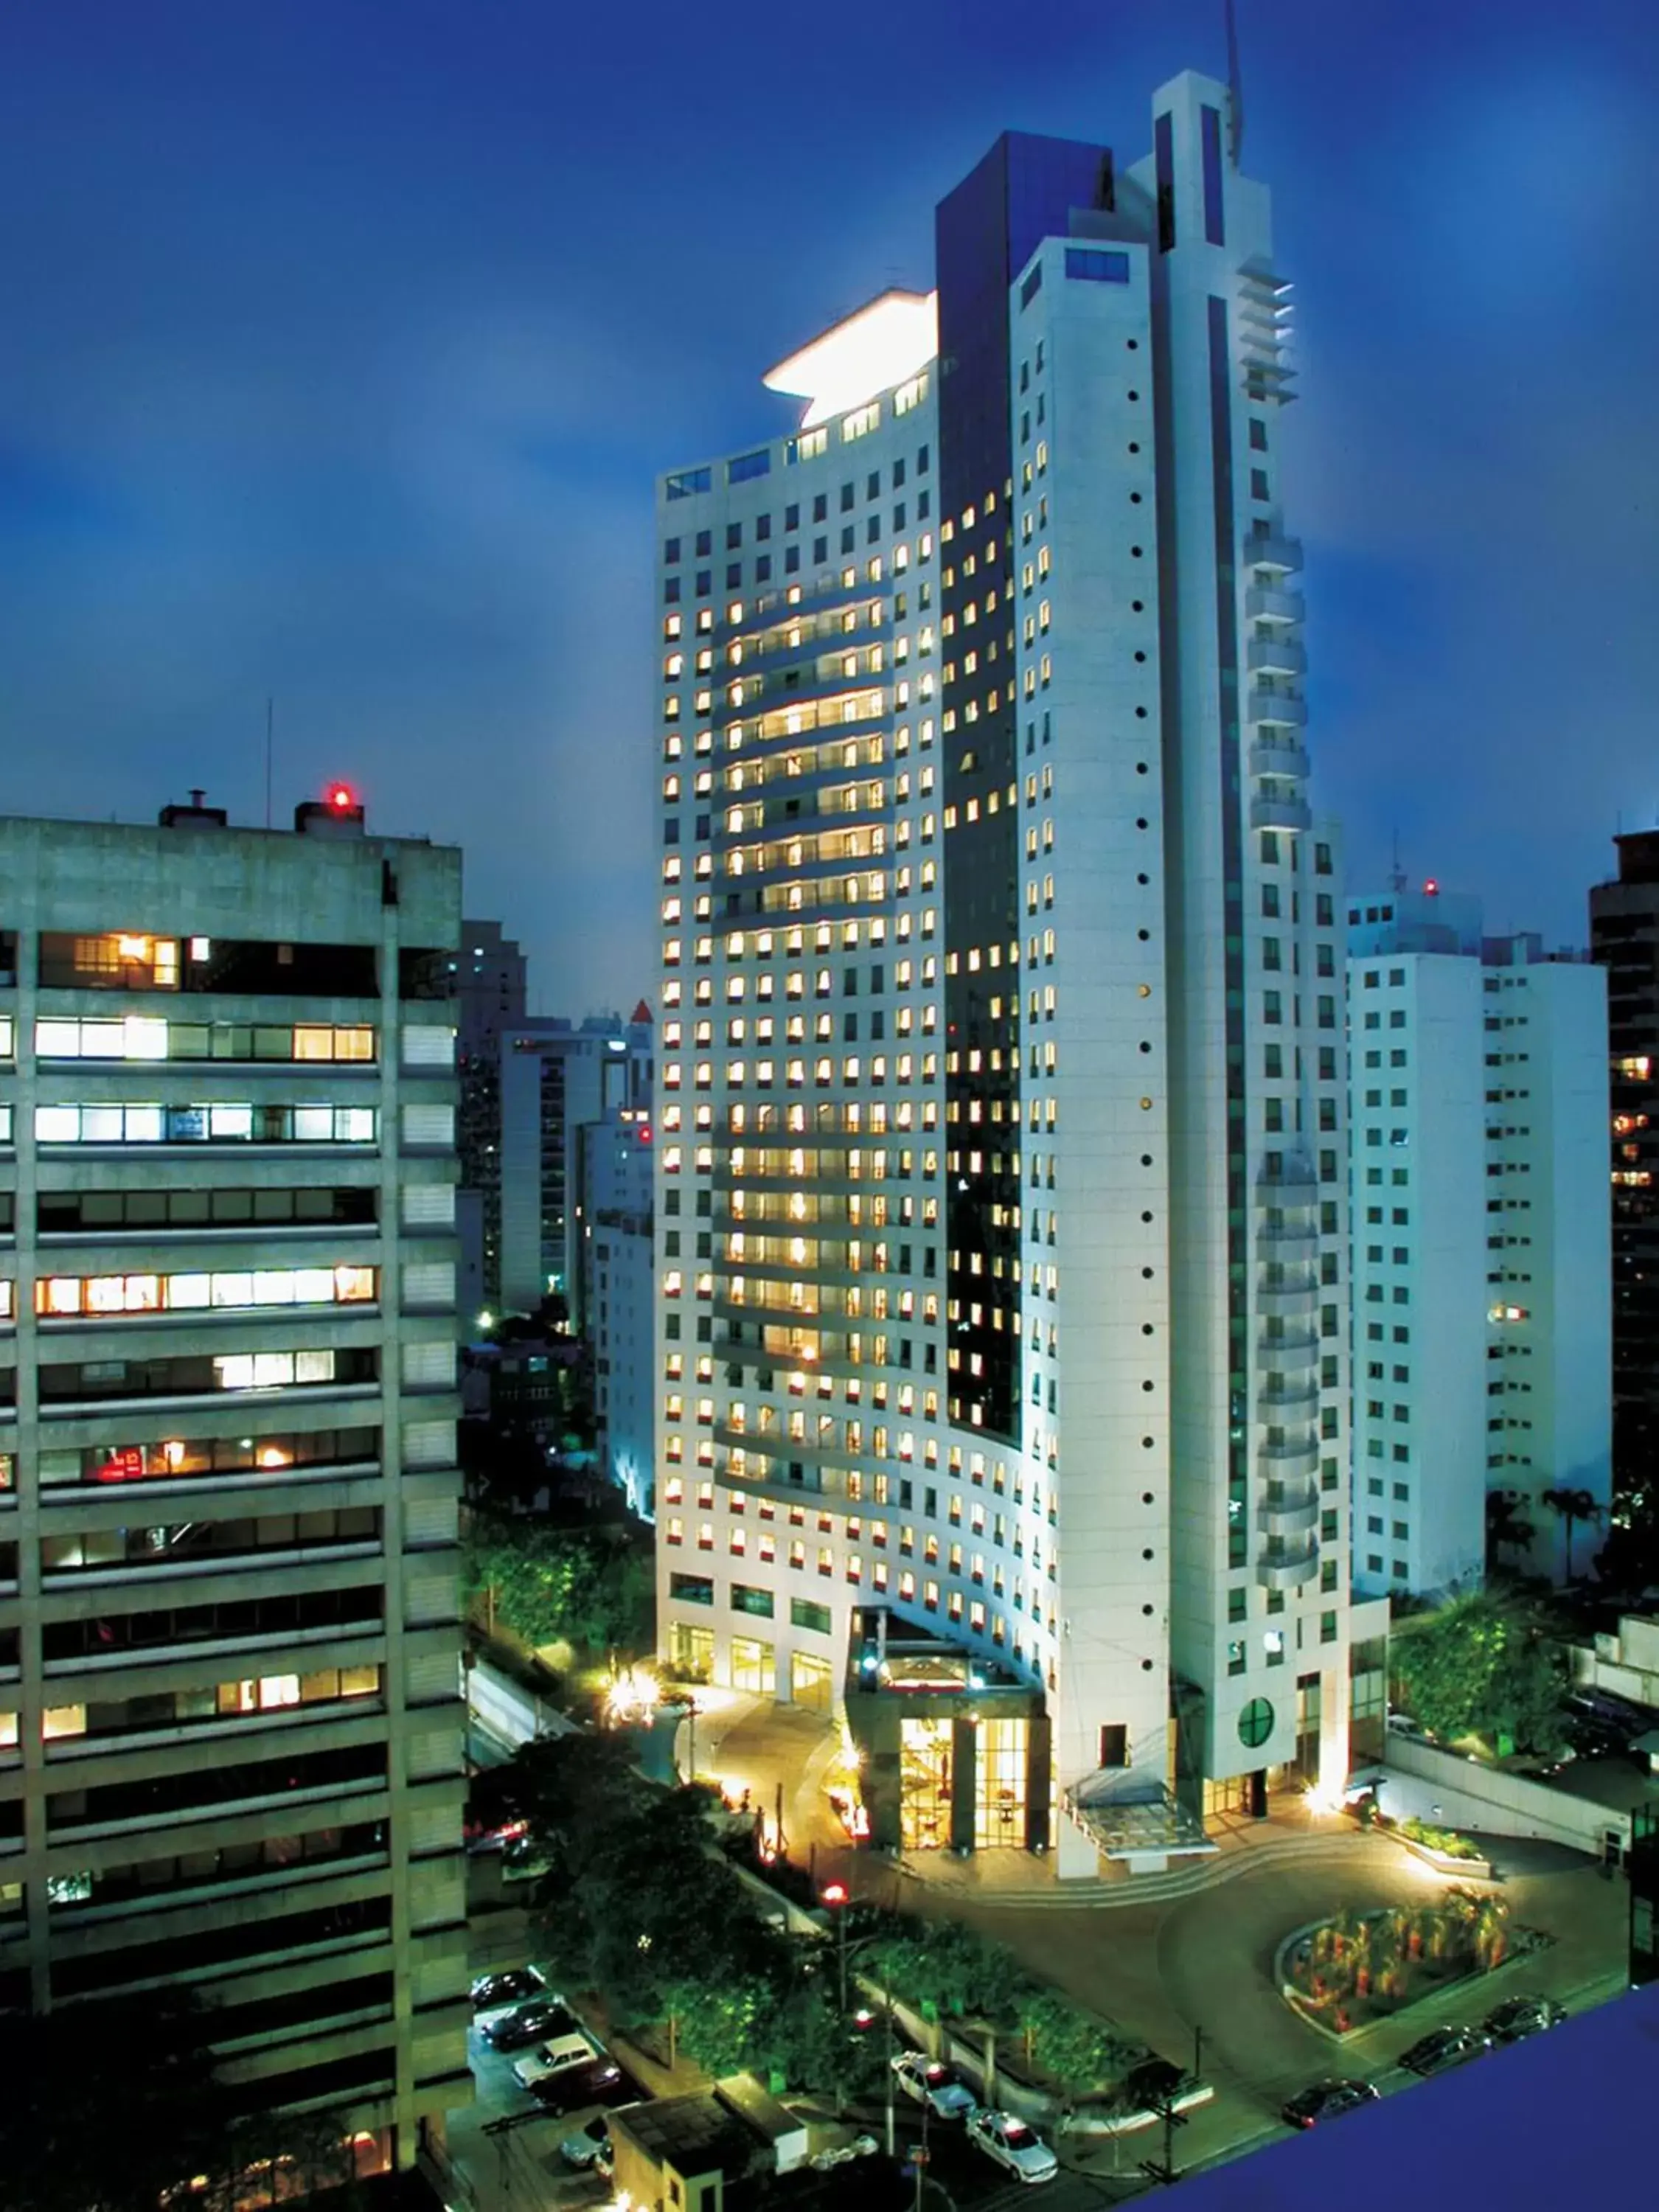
x: 1172, y: 2120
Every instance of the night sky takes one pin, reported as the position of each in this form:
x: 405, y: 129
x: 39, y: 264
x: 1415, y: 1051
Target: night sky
x: 342, y: 340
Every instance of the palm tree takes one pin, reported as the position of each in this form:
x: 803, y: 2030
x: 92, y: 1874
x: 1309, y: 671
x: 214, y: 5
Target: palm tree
x: 1571, y: 1505
x: 1506, y: 1526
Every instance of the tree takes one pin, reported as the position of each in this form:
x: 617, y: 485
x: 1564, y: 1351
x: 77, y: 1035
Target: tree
x: 634, y: 1902
x: 1571, y: 1505
x: 946, y: 1970
x: 1077, y: 2051
x: 589, y: 1587
x: 1479, y: 1666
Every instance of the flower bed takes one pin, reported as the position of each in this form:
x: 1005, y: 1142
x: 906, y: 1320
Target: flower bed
x: 1349, y: 1973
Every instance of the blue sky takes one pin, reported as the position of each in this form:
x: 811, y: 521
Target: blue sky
x: 344, y: 338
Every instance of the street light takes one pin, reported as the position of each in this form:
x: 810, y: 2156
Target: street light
x: 838, y: 1897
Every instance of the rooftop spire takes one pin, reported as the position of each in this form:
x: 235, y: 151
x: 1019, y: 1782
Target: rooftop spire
x: 1234, y: 85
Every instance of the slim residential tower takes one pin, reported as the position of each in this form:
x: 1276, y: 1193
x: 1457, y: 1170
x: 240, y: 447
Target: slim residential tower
x: 1001, y: 1186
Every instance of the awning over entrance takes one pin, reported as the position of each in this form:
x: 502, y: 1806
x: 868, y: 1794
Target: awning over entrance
x: 1128, y: 1814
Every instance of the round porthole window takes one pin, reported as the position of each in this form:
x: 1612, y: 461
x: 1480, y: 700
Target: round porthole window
x: 1255, y: 1723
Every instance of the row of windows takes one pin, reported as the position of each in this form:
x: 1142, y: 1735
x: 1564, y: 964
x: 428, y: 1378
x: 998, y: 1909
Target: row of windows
x: 232, y: 1700
x: 198, y: 1374
x: 177, y: 1458
x: 805, y: 446
x: 206, y: 1124
x: 173, y: 1543
x: 146, y: 1036
x: 60, y: 1296
x: 65, y: 1212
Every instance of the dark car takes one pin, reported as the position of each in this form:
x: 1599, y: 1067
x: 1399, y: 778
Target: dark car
x: 599, y: 2081
x: 1520, y: 2016
x: 492, y: 1989
x: 1442, y: 2048
x: 1154, y: 2082
x: 543, y: 2018
x: 589, y: 2150
x: 1327, y: 2100
x: 1613, y: 1710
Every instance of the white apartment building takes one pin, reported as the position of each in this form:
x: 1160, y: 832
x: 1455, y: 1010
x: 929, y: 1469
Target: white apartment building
x: 1482, y: 1272
x: 232, y: 1747
x: 1002, y: 1209
x: 618, y: 1268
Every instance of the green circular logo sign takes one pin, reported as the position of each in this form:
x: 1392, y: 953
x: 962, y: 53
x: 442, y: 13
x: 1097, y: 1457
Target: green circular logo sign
x: 1255, y: 1723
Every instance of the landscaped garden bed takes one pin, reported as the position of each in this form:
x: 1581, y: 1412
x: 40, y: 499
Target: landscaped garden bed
x: 1349, y: 1973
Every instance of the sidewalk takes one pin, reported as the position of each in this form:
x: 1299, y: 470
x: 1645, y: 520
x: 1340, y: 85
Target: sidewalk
x: 1019, y: 1878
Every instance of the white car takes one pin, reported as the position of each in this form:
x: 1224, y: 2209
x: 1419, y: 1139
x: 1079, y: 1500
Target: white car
x: 1005, y: 2137
x: 553, y: 2058
x: 931, y: 2082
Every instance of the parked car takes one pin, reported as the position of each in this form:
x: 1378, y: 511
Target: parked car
x: 1152, y: 2082
x: 523, y: 1860
x: 843, y: 2153
x: 494, y: 1990
x: 1518, y: 2017
x: 1608, y: 1706
x: 1013, y: 2144
x: 939, y: 2086
x: 572, y: 2049
x: 1327, y: 2100
x: 573, y: 2089
x: 528, y: 2023
x: 590, y: 2150
x: 1442, y: 2048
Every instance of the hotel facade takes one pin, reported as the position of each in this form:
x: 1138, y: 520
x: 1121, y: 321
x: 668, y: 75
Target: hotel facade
x: 1002, y: 1207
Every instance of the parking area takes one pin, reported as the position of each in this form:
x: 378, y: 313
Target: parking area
x: 504, y: 2148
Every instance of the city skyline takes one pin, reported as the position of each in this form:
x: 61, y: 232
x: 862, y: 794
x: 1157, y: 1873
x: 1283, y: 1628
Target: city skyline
x: 372, y: 425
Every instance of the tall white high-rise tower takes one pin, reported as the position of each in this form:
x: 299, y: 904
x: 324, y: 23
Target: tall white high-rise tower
x: 1002, y: 1190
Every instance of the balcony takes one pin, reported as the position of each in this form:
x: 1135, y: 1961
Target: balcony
x: 1283, y: 1393
x: 1280, y: 814
x: 1276, y: 709
x: 1276, y: 655
x: 1288, y: 1510
x: 1263, y: 604
x: 1282, y: 556
x: 1278, y: 756
x: 1288, y: 1242
x: 1298, y: 1352
x: 1293, y: 1182
x: 1285, y: 1463
x: 1288, y: 1302
x: 1285, y: 1569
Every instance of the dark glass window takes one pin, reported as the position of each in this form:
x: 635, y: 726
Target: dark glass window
x: 1090, y: 265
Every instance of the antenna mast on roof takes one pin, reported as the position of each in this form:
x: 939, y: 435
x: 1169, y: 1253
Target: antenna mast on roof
x: 1234, y: 85
x: 1396, y: 874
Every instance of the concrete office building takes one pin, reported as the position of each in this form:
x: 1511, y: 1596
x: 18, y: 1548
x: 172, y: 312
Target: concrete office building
x: 1002, y: 1212
x: 618, y: 1273
x: 556, y: 1076
x: 1625, y: 943
x: 1481, y: 1357
x: 233, y: 1751
x: 489, y: 972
